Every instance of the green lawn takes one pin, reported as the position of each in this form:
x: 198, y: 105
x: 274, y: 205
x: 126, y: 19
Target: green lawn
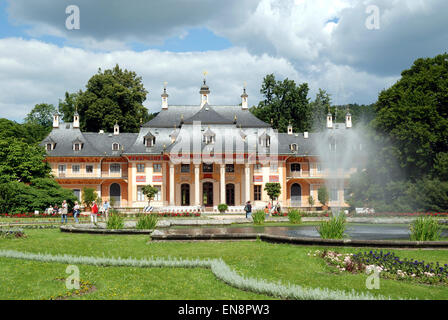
x: 273, y: 262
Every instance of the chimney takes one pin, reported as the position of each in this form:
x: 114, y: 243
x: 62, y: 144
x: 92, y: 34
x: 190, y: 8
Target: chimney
x: 329, y: 121
x: 76, y: 120
x: 290, y: 128
x: 348, y: 120
x: 164, y: 98
x: 56, y: 120
x: 116, y: 129
x: 305, y: 135
x: 244, y: 103
x: 204, y: 92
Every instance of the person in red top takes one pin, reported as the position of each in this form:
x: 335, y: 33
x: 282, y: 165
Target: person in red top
x: 94, y: 214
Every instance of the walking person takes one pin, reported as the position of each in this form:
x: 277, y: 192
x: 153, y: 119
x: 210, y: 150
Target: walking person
x: 248, y: 209
x: 106, y: 207
x: 64, y: 211
x: 94, y: 213
x: 76, y: 211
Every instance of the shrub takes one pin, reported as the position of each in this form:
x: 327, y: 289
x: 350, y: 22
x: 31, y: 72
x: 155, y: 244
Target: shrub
x: 147, y: 222
x: 333, y: 228
x: 223, y: 207
x: 259, y: 216
x: 116, y: 221
x: 425, y: 229
x: 295, y: 216
x: 323, y: 196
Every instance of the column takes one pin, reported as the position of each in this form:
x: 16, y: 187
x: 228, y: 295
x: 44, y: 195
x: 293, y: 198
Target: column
x: 223, y: 183
x: 196, y: 185
x: 171, y: 184
x: 247, y: 184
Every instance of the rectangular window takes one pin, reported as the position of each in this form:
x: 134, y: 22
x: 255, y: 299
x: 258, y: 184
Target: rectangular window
x: 140, y: 195
x: 346, y: 194
x: 89, y: 169
x: 158, y: 196
x: 257, y: 193
x: 207, y: 167
x: 75, y: 168
x: 257, y: 167
x: 157, y: 167
x: 334, y: 195
x: 274, y: 167
x: 115, y: 168
x: 185, y: 168
x: 318, y: 167
x: 49, y: 147
x: 140, y: 167
x: 77, y: 194
x: 61, y: 168
x: 230, y: 168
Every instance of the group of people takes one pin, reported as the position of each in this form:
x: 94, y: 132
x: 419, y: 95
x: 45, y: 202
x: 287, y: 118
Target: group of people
x: 268, y: 210
x: 95, y: 211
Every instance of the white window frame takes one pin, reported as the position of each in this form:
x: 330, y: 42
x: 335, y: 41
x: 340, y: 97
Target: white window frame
x: 114, y: 164
x: 158, y: 196
x: 93, y: 168
x: 159, y: 166
x: 141, y: 165
x: 140, y: 196
x: 62, y: 166
x: 115, y: 144
x: 78, y: 166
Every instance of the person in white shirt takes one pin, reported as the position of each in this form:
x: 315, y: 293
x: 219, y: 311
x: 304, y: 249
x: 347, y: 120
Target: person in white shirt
x: 76, y: 211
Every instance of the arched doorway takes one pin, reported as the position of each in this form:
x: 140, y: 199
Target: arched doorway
x: 207, y: 194
x: 115, y: 194
x: 296, y: 195
x: 230, y: 194
x: 185, y: 194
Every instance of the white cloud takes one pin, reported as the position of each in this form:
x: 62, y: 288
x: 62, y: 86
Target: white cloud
x: 33, y: 72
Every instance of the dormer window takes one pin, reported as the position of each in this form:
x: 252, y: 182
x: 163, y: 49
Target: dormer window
x: 49, y: 146
x: 115, y: 147
x: 209, y: 137
x: 265, y: 140
x: 294, y: 147
x: 149, y: 140
x: 77, y: 146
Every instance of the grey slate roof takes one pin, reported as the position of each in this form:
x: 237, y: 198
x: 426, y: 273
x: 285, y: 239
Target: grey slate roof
x: 94, y: 144
x: 170, y: 117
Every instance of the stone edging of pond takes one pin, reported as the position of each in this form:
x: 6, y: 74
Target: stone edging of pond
x: 159, y: 236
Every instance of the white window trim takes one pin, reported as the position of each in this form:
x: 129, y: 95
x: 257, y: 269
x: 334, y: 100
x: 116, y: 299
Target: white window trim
x: 110, y: 166
x: 115, y: 143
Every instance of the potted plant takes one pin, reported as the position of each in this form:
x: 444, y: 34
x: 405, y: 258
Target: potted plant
x: 323, y: 197
x: 311, y: 202
x: 223, y: 207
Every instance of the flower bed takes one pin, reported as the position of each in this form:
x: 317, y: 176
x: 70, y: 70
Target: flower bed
x: 11, y: 233
x: 388, y: 265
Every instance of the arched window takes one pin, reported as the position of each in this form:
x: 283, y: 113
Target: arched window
x: 294, y: 147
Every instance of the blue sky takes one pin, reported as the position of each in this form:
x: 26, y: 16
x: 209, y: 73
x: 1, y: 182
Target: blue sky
x: 322, y: 42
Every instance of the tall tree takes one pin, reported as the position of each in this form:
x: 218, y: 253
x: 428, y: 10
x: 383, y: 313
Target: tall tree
x: 414, y: 114
x: 42, y: 114
x: 22, y: 162
x: 284, y: 102
x: 114, y: 95
x: 319, y: 109
x: 67, y: 106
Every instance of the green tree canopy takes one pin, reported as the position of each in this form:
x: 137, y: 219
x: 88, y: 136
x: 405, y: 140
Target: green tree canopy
x: 42, y: 114
x: 150, y: 192
x: 22, y: 162
x: 111, y: 96
x: 319, y: 110
x: 273, y: 189
x: 284, y: 102
x: 413, y: 113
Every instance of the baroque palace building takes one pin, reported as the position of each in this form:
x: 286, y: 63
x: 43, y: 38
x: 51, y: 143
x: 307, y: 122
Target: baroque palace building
x: 200, y: 155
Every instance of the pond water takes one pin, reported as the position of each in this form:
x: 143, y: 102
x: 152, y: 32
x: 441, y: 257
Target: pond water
x: 358, y: 232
